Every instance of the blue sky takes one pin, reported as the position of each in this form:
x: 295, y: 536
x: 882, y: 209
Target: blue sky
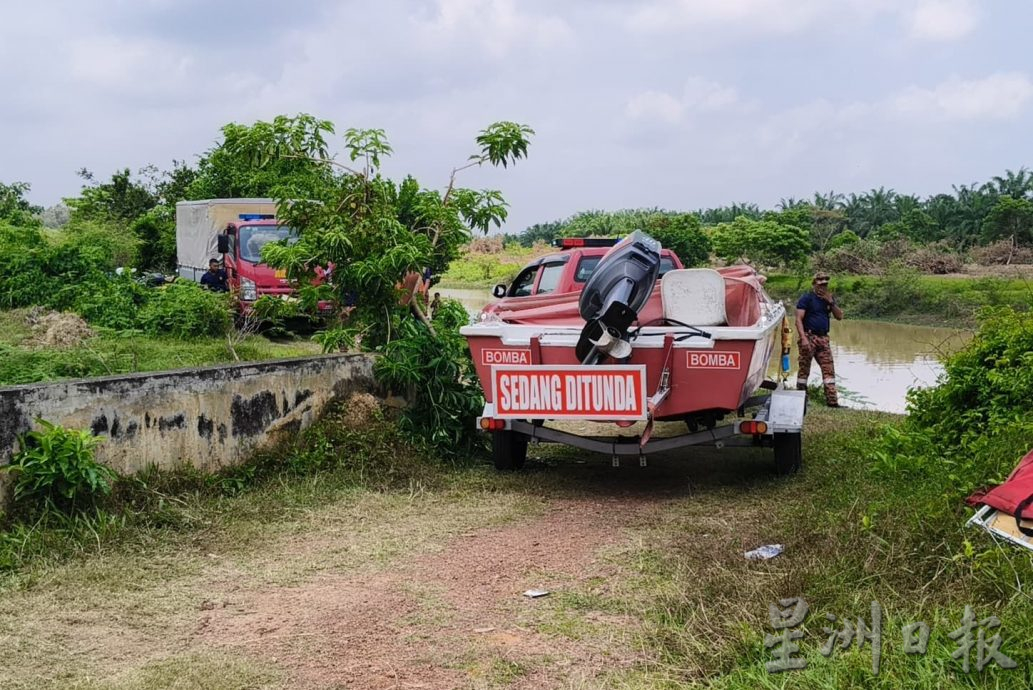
x: 673, y: 103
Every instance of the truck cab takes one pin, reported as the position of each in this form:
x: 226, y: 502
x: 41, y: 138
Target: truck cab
x: 569, y: 269
x: 241, y: 247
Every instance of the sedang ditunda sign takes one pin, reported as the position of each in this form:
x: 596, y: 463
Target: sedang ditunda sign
x: 616, y: 392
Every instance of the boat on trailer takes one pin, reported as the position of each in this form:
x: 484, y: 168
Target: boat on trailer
x: 694, y: 346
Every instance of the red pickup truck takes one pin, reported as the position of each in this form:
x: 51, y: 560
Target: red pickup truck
x: 568, y: 270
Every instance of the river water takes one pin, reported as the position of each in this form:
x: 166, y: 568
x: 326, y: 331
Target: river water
x: 876, y: 362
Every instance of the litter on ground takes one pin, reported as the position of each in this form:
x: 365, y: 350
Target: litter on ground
x: 764, y: 553
x: 536, y: 593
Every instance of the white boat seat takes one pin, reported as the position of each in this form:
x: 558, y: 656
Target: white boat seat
x: 694, y: 296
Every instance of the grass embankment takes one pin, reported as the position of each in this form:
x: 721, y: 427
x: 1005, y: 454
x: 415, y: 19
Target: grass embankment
x: 25, y: 358
x: 912, y: 298
x: 240, y: 581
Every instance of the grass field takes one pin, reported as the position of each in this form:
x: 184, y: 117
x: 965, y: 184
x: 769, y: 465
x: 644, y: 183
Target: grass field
x: 24, y: 359
x: 348, y: 559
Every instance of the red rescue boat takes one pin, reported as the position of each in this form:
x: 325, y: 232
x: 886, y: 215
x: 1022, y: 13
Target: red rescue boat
x: 693, y: 346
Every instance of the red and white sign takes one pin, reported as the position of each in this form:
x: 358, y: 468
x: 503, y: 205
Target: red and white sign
x: 713, y: 360
x: 569, y: 392
x: 492, y: 356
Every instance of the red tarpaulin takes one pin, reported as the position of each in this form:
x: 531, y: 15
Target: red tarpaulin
x: 1016, y: 491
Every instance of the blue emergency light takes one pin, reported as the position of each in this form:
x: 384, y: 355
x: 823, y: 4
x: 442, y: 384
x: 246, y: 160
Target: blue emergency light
x: 256, y: 216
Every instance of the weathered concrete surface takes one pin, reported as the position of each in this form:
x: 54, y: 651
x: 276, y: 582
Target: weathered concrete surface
x: 208, y: 417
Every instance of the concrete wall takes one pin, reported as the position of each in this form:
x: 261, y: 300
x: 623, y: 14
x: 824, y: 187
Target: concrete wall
x: 208, y: 417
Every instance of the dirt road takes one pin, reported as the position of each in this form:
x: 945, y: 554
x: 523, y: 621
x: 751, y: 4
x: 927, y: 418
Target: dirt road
x: 415, y: 590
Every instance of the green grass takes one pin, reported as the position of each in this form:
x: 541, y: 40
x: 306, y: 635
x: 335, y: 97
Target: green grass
x: 912, y: 298
x: 851, y: 537
x: 113, y: 352
x: 672, y: 599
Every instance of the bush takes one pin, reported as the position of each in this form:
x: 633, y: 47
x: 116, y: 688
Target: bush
x: 54, y: 469
x: 110, y: 302
x: 156, y: 233
x: 764, y: 242
x: 896, y: 292
x: 184, y: 310
x: 973, y: 427
x: 682, y: 235
x: 843, y: 239
x: 438, y: 376
x: 24, y: 255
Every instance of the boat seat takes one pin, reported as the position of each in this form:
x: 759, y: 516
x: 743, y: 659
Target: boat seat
x: 694, y: 296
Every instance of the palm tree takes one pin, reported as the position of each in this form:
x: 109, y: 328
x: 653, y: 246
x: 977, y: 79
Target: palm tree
x: 789, y: 203
x: 829, y: 202
x: 1013, y: 184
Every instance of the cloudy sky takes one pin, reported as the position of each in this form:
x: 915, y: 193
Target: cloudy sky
x: 680, y: 104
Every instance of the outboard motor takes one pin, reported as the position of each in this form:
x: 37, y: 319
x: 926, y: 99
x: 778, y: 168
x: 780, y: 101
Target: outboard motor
x: 619, y: 287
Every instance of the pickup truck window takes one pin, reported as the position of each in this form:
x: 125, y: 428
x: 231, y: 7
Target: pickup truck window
x: 586, y: 267
x: 524, y: 282
x: 550, y: 278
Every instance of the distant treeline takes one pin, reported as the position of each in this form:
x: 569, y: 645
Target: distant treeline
x: 972, y: 215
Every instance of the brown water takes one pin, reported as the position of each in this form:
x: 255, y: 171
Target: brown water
x: 876, y: 362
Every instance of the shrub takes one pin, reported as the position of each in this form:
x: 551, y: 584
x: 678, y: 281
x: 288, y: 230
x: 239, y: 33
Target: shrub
x: 23, y: 258
x: 763, y: 241
x: 185, y: 310
x: 156, y: 233
x: 54, y: 469
x: 896, y: 292
x: 110, y: 302
x: 682, y: 235
x: 438, y: 376
x: 973, y: 427
x: 843, y: 239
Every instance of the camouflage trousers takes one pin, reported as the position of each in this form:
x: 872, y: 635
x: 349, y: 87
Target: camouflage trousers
x: 818, y: 349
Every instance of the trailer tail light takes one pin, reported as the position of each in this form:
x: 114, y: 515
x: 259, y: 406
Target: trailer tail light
x: 753, y: 427
x: 489, y: 424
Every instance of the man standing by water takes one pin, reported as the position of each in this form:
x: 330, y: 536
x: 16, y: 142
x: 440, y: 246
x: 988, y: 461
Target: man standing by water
x: 813, y: 321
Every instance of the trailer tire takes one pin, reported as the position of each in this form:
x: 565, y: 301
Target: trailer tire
x: 508, y: 450
x: 788, y: 453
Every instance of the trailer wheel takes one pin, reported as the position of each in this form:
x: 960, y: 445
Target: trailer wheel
x: 788, y: 453
x: 508, y: 450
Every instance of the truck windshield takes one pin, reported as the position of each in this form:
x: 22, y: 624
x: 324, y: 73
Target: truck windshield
x: 251, y: 239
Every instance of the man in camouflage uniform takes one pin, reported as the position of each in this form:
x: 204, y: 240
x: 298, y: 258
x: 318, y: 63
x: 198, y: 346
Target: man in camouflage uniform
x: 812, y: 323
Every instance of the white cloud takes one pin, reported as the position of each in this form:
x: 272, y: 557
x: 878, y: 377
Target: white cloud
x: 1001, y: 96
x: 703, y: 94
x: 699, y: 95
x: 943, y: 20
x: 655, y: 105
x: 770, y: 15
x: 497, y: 25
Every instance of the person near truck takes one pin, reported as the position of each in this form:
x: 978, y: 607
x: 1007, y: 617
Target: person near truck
x: 215, y: 277
x: 813, y: 321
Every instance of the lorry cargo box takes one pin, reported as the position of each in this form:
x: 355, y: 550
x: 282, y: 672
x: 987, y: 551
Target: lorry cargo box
x: 198, y: 224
